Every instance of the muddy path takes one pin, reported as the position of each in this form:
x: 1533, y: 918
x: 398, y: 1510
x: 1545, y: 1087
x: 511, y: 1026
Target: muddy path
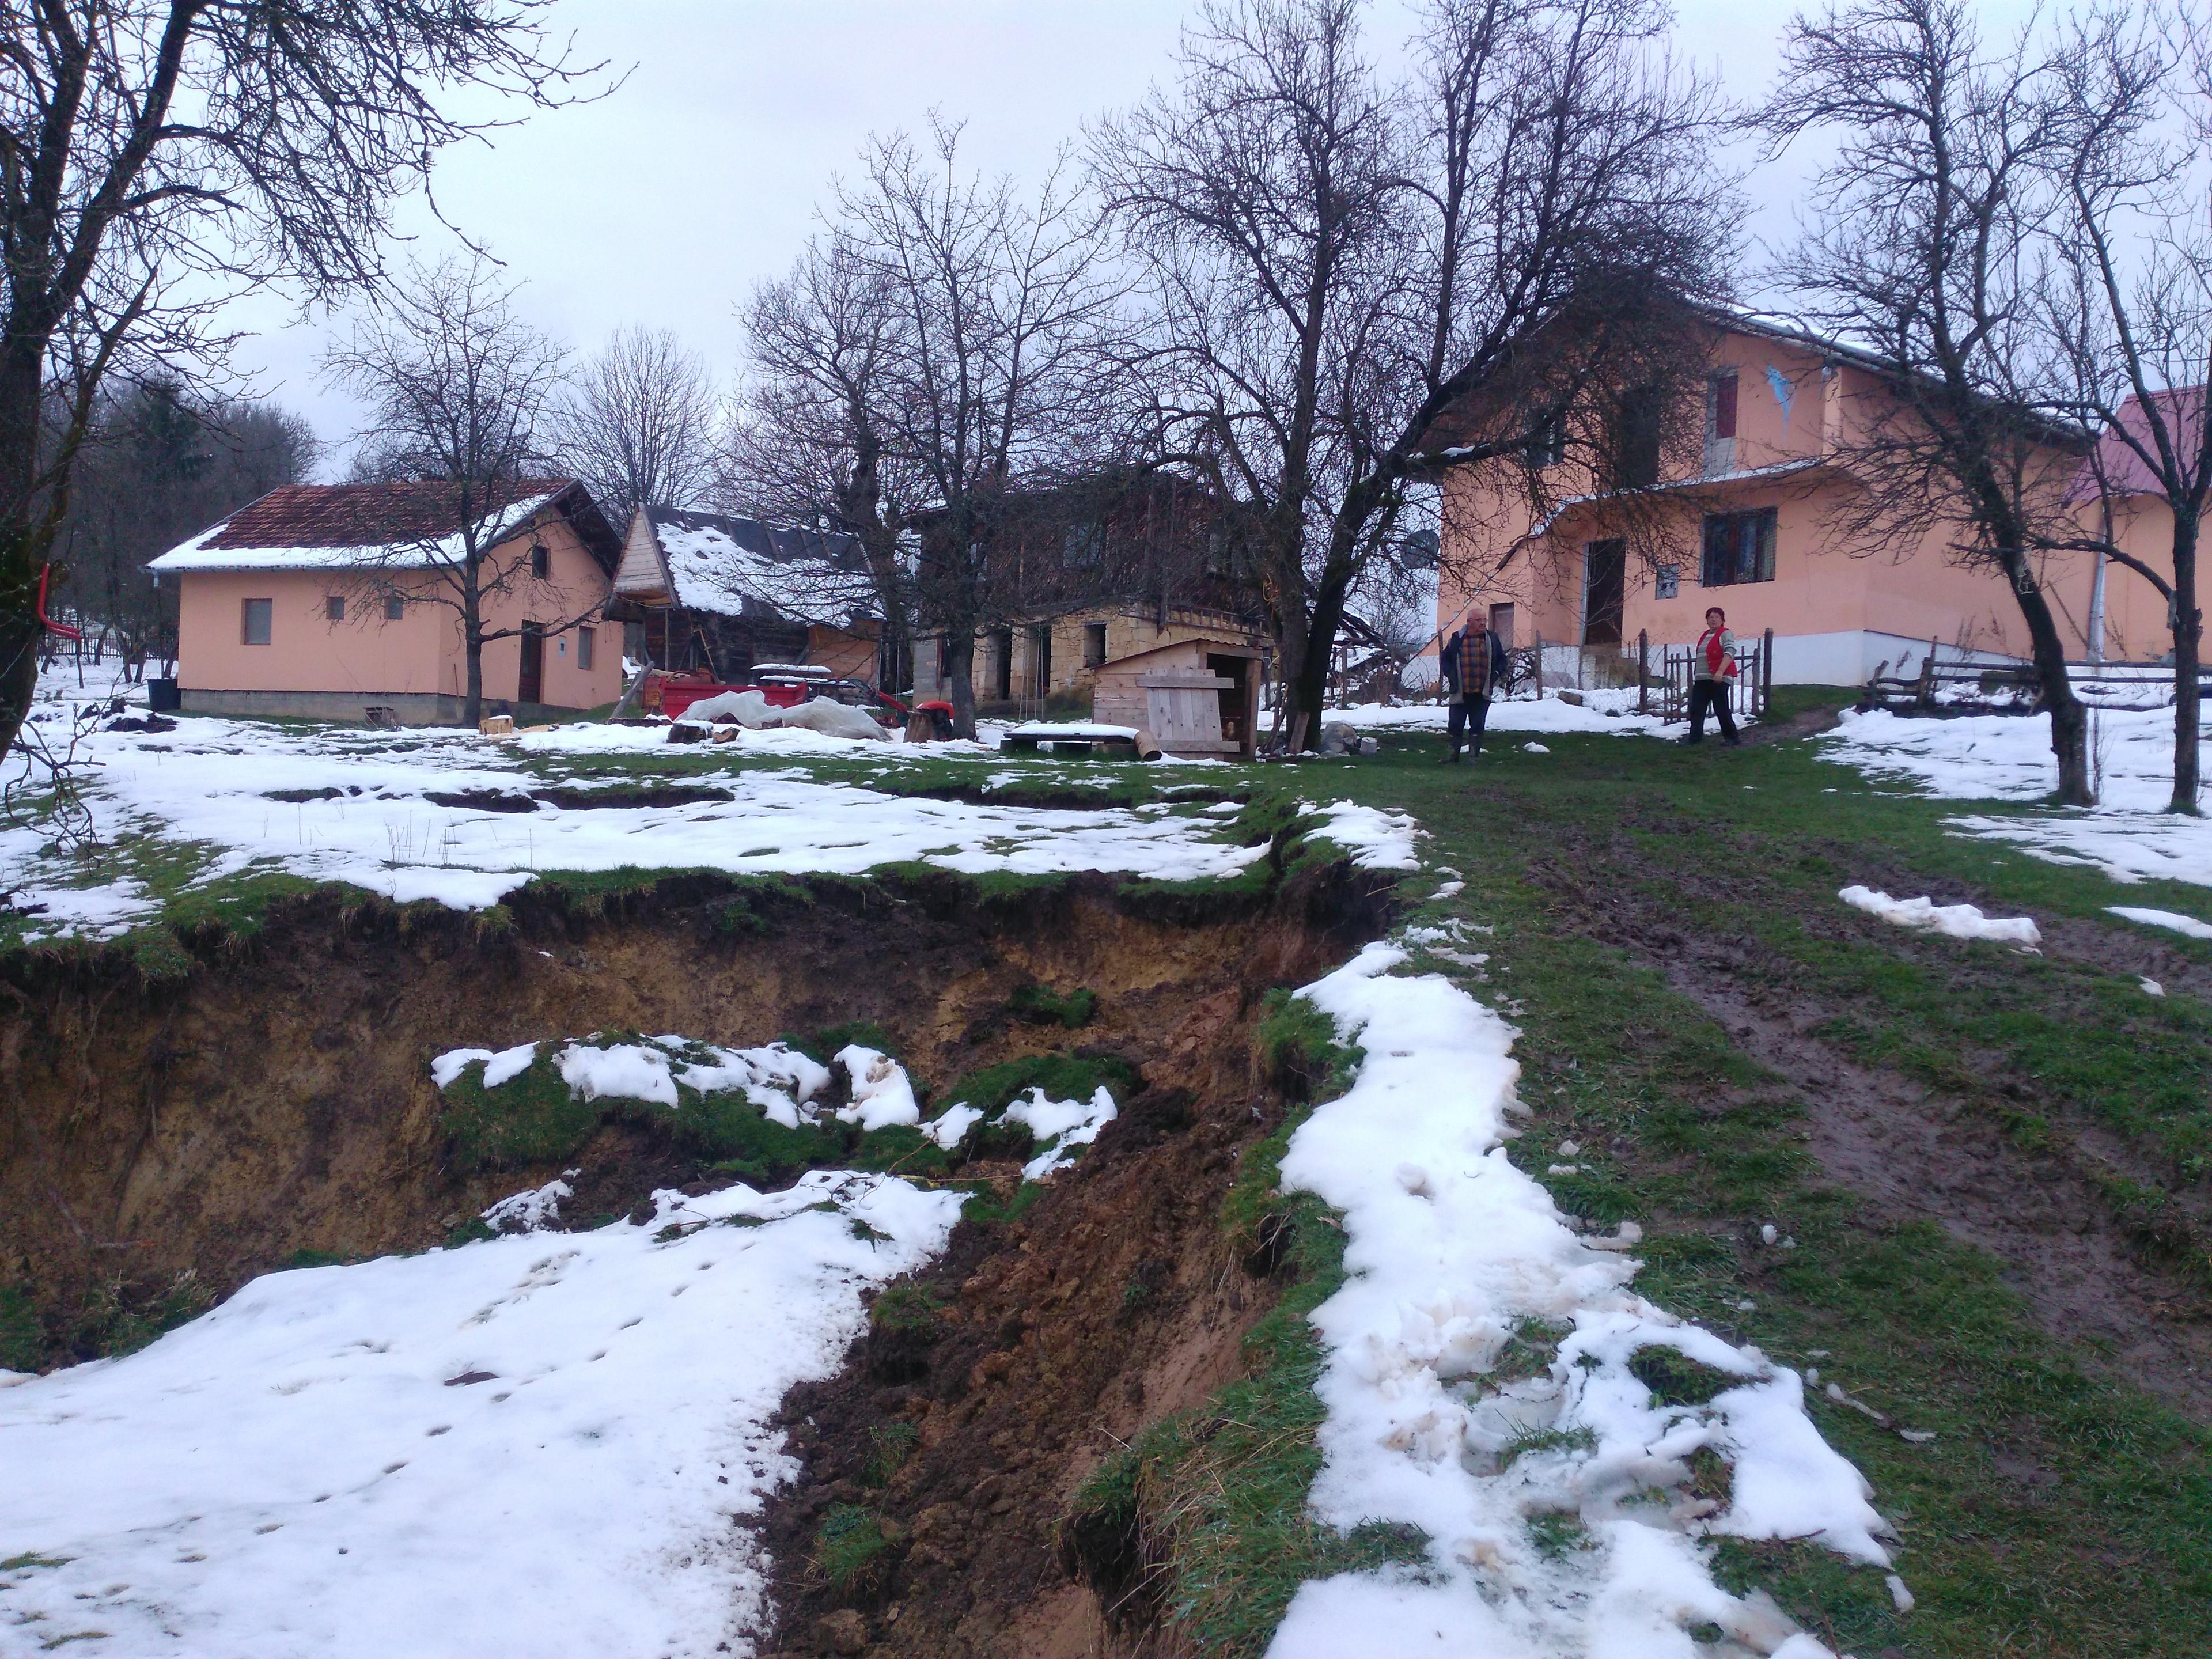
x: 1911, y: 1153
x: 273, y: 1102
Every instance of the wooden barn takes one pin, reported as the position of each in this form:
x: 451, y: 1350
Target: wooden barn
x: 723, y: 595
x: 1199, y: 698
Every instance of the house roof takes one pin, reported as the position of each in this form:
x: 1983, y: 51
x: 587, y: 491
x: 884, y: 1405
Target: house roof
x: 1216, y: 647
x: 353, y: 526
x: 2122, y: 470
x: 732, y: 567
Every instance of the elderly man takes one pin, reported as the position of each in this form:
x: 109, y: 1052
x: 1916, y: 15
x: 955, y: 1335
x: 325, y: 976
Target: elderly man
x: 1472, y: 661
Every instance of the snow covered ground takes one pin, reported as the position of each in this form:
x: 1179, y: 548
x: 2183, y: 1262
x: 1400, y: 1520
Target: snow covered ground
x: 2128, y: 836
x: 1450, y: 1249
x: 1953, y: 920
x: 355, y: 805
x: 1610, y: 713
x: 545, y: 1444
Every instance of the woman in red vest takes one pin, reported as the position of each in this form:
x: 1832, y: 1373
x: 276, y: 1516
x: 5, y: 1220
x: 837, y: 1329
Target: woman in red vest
x: 1713, y: 673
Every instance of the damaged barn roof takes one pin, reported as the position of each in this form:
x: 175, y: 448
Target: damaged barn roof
x: 732, y: 567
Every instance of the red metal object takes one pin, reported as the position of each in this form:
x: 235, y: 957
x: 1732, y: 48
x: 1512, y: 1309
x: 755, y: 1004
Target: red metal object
x: 677, y: 696
x: 47, y: 571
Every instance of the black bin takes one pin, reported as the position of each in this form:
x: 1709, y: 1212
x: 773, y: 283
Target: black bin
x: 163, y: 696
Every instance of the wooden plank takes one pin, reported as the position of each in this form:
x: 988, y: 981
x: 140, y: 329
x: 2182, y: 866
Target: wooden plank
x: 1192, y: 681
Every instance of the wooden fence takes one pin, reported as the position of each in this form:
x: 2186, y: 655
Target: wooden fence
x: 2016, y: 688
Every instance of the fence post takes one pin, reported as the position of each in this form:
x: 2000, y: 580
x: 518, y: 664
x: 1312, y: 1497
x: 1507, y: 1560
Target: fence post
x: 1643, y: 670
x: 1539, y: 665
x: 1767, y: 673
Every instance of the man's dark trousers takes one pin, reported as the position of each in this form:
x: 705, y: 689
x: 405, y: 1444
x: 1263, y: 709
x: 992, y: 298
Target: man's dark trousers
x: 1473, y: 712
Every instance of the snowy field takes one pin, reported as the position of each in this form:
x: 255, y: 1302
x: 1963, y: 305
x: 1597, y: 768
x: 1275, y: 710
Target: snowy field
x: 434, y: 813
x: 1449, y: 1249
x: 539, y: 1444
x: 2128, y: 836
x: 545, y: 1444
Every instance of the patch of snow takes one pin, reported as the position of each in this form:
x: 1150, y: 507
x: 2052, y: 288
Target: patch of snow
x: 2152, y: 987
x: 1953, y: 920
x: 2177, y: 922
x: 951, y: 1127
x: 2129, y: 836
x: 1534, y: 749
x: 1379, y: 838
x: 498, y: 1067
x: 1610, y: 710
x: 1440, y: 1270
x: 621, y: 1071
x: 594, y: 1494
x: 881, y: 1093
x: 528, y: 1212
x: 1060, y: 1126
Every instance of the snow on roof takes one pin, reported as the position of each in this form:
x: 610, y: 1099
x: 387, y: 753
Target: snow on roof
x: 720, y: 564
x: 352, y: 526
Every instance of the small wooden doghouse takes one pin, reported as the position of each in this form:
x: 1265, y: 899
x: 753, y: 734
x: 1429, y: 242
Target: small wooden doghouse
x: 1198, y: 698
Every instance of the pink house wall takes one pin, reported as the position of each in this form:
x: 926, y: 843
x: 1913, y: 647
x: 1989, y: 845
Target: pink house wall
x: 367, y: 655
x: 1839, y: 609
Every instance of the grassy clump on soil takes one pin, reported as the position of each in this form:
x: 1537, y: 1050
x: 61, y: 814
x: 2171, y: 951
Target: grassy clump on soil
x: 118, y: 1317
x: 1040, y: 1005
x: 1061, y: 1076
x: 2059, y: 1509
x: 22, y: 1334
x: 851, y: 1550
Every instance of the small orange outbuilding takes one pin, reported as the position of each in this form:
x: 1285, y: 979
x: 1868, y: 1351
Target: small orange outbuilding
x: 326, y: 600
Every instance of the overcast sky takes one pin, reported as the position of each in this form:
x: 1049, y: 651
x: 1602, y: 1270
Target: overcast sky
x: 666, y: 201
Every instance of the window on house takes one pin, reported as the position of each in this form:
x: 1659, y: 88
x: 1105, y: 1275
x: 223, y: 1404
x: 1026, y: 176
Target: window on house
x: 1087, y: 545
x: 587, y: 647
x: 541, y: 560
x: 1636, y: 439
x: 1668, y: 584
x: 334, y: 608
x: 255, y: 623
x: 1739, y: 548
x: 1094, y: 645
x: 395, y: 607
x: 1547, y: 440
x: 1720, y: 406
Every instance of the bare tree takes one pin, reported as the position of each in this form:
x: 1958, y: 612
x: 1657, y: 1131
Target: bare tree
x: 1347, y: 274
x: 638, y: 424
x: 2131, y: 310
x: 156, y: 467
x: 1928, y: 222
x: 156, y: 156
x: 949, y: 343
x: 458, y: 388
x: 807, y: 443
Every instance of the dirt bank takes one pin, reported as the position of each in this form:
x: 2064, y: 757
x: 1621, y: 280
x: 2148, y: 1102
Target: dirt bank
x: 276, y: 1097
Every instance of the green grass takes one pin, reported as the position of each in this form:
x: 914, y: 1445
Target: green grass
x: 1040, y: 1005
x: 2109, y: 1547
x: 849, y: 1550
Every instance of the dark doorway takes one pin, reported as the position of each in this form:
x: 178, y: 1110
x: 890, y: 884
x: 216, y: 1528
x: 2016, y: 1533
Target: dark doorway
x: 1501, y: 623
x: 1041, y: 657
x: 533, y: 686
x: 1604, y: 583
x: 1002, y: 664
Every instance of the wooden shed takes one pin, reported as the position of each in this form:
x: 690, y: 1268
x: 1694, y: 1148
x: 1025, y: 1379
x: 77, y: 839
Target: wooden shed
x: 1198, y: 698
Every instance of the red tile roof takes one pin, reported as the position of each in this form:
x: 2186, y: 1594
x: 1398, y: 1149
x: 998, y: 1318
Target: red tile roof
x: 360, y: 515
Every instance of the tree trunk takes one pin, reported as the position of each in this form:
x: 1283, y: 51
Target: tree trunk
x: 22, y: 551
x: 2069, y: 720
x: 959, y: 667
x: 2188, y: 652
x: 473, y: 649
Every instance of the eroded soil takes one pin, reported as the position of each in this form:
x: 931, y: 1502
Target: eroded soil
x: 277, y: 1099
